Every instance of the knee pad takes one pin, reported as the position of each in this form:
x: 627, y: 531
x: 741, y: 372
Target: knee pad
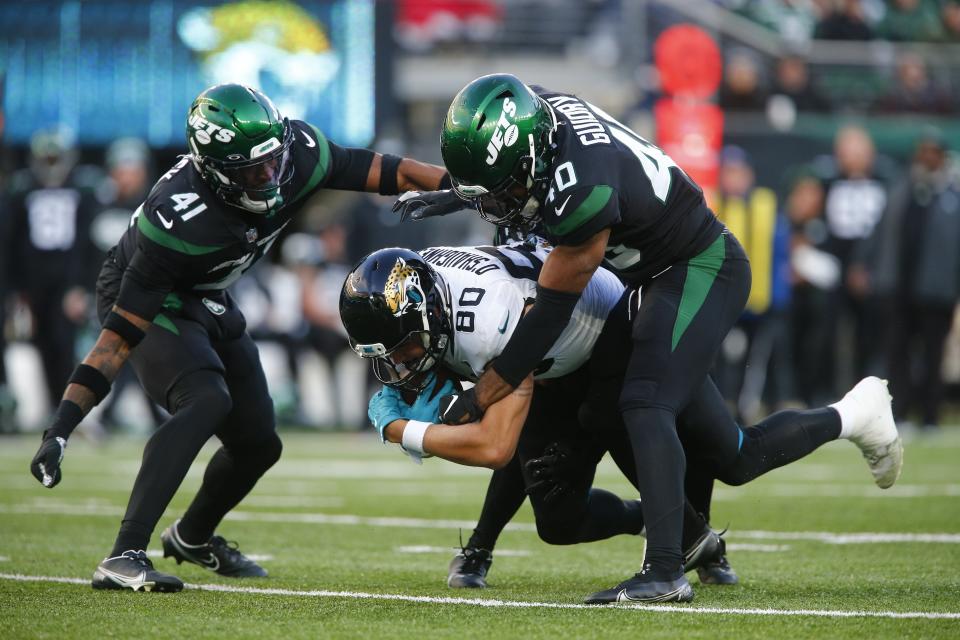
x: 203, y: 392
x: 557, y: 532
x: 742, y: 469
x: 260, y: 454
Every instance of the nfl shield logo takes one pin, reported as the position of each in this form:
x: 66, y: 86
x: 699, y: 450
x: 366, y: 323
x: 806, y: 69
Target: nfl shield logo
x: 215, y: 308
x: 251, y: 235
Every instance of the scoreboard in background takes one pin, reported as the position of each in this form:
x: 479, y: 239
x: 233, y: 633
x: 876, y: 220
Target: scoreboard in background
x: 110, y: 68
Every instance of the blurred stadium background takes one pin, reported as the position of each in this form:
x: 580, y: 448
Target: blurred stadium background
x: 824, y: 131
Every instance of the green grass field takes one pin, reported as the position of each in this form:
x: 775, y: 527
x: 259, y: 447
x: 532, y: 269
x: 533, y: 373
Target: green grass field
x: 357, y: 541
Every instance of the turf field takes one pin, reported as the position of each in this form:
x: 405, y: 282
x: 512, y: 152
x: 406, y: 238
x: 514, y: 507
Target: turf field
x: 357, y: 542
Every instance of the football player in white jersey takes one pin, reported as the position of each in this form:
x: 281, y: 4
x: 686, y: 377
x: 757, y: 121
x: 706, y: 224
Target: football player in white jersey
x: 458, y: 306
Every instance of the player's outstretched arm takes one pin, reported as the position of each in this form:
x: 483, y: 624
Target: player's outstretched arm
x: 491, y: 442
x: 88, y: 385
x: 390, y: 175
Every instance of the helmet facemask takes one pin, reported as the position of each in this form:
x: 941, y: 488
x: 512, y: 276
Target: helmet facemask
x: 516, y: 201
x: 401, y: 323
x: 253, y: 184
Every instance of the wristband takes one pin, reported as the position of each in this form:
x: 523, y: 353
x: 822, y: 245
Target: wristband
x: 66, y: 418
x: 93, y: 379
x: 131, y: 333
x: 388, y: 174
x: 446, y: 182
x: 413, y: 435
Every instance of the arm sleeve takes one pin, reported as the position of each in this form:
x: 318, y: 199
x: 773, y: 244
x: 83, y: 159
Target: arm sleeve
x: 349, y: 167
x: 144, y: 287
x: 535, y: 334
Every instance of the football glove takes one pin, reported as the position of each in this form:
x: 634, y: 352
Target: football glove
x: 460, y: 407
x: 426, y: 407
x: 418, y: 205
x: 549, y: 475
x: 45, y: 466
x: 384, y: 408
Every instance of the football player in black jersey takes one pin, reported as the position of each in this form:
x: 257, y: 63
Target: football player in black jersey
x: 524, y: 156
x: 162, y: 299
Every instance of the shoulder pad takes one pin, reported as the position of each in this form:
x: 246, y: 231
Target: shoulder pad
x: 573, y: 208
x: 177, y: 214
x: 311, y: 157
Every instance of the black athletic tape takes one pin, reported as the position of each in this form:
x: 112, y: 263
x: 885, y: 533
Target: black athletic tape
x: 389, y: 164
x: 65, y: 420
x: 91, y: 378
x: 535, y: 334
x: 446, y: 182
x: 131, y: 333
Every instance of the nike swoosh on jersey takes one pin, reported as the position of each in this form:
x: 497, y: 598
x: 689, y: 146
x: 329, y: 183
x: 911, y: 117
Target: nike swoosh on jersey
x: 503, y: 327
x: 310, y: 141
x: 167, y: 224
x: 559, y: 210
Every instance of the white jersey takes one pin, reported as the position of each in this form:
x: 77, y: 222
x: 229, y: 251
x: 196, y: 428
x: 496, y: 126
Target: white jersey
x: 487, y: 290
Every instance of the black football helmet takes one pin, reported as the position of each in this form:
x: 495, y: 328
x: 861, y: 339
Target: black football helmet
x: 392, y: 297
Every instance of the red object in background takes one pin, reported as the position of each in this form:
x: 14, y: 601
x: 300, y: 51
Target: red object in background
x: 692, y: 134
x: 688, y: 61
x: 689, y: 125
x: 422, y: 12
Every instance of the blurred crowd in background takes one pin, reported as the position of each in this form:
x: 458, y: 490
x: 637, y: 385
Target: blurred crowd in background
x: 838, y: 171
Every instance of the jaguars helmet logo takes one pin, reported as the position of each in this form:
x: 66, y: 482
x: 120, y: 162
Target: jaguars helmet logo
x: 402, y: 290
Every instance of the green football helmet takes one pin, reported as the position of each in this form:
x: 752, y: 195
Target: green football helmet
x: 497, y: 144
x: 241, y: 146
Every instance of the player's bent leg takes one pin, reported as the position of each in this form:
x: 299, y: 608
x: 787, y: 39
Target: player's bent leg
x: 199, y: 402
x: 250, y: 447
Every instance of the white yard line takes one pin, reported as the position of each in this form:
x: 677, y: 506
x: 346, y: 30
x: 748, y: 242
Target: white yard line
x: 762, y: 548
x: 483, y: 602
x: 423, y: 548
x: 256, y: 557
x: 829, y: 537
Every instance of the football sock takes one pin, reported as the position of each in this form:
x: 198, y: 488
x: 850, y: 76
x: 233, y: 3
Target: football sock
x: 660, y: 466
x: 505, y: 494
x: 693, y: 526
x: 200, y: 401
x: 782, y: 438
x: 230, y: 475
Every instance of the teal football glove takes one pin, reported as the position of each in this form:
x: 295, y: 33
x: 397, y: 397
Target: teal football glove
x: 426, y: 407
x: 384, y: 408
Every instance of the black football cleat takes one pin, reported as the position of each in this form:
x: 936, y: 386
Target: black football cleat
x: 646, y: 587
x: 706, y: 547
x: 708, y: 555
x: 468, y: 569
x: 133, y: 570
x: 217, y: 555
x: 716, y: 569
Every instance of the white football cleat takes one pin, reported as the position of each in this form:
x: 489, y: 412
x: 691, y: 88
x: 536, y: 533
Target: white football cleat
x: 867, y: 420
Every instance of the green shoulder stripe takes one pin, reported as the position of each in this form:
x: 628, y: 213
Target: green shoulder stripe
x: 591, y: 206
x: 169, y: 240
x: 323, y: 164
x: 163, y: 321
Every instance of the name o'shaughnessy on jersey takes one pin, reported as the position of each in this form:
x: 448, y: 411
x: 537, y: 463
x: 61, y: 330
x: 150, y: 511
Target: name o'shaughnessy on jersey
x: 487, y: 290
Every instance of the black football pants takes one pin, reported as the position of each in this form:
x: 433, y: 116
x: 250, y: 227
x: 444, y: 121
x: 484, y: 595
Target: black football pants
x: 210, y: 388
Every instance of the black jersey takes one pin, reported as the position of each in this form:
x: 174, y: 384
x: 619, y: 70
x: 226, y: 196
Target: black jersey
x: 605, y: 175
x: 186, y: 239
x: 47, y: 238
